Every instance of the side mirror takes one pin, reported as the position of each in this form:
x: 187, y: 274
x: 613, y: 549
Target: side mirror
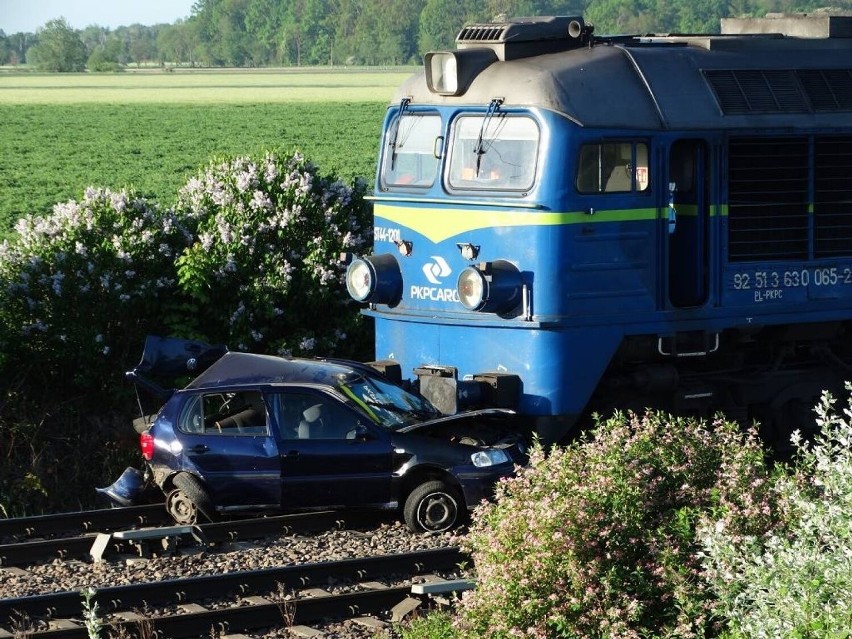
x: 361, y: 433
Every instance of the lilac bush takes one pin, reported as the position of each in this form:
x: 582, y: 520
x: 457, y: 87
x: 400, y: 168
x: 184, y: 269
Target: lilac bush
x: 264, y: 266
x: 83, y: 285
x: 598, y: 539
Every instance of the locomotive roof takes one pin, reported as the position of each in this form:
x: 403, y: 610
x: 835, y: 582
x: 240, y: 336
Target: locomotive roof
x: 674, y: 82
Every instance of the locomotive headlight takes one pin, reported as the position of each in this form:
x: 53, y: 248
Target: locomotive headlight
x: 494, y: 287
x: 451, y: 72
x: 471, y: 287
x: 443, y: 73
x: 375, y: 279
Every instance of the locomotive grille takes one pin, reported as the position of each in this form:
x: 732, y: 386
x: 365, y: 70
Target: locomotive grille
x: 770, y: 187
x: 481, y: 33
x: 742, y: 92
x: 833, y: 197
x: 768, y: 199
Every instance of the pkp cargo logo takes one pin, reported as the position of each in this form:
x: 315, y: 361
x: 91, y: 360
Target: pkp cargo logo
x: 436, y: 270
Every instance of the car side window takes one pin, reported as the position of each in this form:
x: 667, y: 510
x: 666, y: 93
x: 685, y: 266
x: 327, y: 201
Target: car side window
x: 303, y: 416
x: 232, y: 413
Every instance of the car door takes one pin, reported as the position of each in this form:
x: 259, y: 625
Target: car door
x: 331, y: 455
x: 227, y: 441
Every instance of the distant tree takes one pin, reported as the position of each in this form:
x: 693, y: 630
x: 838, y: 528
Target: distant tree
x: 441, y: 21
x: 4, y: 48
x: 59, y: 48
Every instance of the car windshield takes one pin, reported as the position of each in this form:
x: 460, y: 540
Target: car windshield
x: 387, y: 403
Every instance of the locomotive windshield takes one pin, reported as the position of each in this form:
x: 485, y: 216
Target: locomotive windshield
x: 410, y: 157
x: 494, y: 152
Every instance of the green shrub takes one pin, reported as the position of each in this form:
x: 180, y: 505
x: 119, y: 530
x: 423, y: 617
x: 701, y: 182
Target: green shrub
x: 598, y: 539
x: 265, y: 264
x: 81, y: 289
x: 795, y: 581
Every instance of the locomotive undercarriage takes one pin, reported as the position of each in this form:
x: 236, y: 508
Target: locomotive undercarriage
x: 771, y: 376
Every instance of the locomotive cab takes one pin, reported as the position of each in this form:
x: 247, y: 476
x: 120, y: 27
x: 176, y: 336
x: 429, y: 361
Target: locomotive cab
x: 568, y: 223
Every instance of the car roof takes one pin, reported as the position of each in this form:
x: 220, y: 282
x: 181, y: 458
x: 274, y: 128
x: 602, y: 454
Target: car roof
x: 236, y: 369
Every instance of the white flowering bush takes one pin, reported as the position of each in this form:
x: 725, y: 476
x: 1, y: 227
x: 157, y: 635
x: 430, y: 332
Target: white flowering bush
x: 81, y: 287
x: 265, y: 266
x: 795, y: 581
x: 598, y: 539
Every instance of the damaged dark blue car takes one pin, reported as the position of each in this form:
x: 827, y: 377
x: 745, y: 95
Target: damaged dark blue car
x: 257, y: 433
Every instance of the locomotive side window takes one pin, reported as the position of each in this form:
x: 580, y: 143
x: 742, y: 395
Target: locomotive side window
x: 613, y: 167
x: 410, y: 151
x: 494, y: 153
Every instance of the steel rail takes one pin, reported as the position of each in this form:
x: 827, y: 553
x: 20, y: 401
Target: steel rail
x: 84, y: 521
x: 180, y: 591
x: 243, y: 618
x: 34, y: 551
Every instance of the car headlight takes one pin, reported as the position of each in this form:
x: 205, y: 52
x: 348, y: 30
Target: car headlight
x: 490, y: 457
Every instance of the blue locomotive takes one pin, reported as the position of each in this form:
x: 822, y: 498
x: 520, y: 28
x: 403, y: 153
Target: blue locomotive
x: 567, y: 223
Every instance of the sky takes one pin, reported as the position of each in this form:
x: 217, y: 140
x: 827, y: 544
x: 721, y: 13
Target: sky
x: 28, y: 15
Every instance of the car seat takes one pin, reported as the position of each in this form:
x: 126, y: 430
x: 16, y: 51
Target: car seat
x: 311, y: 425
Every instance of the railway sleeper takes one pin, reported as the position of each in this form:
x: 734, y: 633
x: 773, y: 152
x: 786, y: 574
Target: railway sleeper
x: 169, y: 538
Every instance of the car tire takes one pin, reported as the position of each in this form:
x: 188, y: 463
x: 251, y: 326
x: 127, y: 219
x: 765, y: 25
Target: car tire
x: 188, y: 502
x: 433, y: 507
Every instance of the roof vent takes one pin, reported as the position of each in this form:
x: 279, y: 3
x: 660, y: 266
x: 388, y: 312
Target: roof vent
x: 524, y: 37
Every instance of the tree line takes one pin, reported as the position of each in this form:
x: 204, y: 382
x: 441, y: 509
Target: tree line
x: 253, y: 33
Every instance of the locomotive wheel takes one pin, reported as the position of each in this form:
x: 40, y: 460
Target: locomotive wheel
x: 188, y: 502
x: 433, y: 507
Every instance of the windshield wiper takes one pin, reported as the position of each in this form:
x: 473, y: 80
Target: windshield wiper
x: 479, y: 148
x: 403, y: 107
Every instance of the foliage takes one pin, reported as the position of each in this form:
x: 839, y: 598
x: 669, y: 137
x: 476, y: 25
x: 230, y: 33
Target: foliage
x: 797, y: 580
x: 82, y: 287
x: 436, y: 625
x: 59, y: 48
x: 598, y: 539
x: 254, y: 33
x: 265, y: 267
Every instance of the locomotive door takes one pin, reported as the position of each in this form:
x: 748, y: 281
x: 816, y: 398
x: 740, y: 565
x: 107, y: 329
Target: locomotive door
x: 687, y: 227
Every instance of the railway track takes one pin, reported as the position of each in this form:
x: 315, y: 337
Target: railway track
x: 27, y: 550
x: 234, y: 602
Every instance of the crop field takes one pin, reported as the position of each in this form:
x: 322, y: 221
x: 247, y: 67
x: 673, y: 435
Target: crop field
x: 150, y: 131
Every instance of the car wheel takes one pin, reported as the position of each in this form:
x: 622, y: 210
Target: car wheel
x: 433, y: 507
x: 188, y: 501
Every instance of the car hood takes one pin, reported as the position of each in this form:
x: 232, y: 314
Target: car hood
x: 445, y: 420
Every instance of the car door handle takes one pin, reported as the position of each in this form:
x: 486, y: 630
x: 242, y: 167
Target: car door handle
x: 199, y: 448
x: 291, y: 454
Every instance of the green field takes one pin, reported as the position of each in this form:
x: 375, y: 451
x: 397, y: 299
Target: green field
x: 151, y: 131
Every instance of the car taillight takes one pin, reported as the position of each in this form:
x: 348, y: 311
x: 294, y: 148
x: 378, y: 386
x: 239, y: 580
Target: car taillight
x: 146, y: 444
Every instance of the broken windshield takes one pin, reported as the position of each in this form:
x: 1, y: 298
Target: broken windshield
x: 387, y: 403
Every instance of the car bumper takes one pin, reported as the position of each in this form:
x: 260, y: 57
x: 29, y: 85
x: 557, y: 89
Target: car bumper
x: 130, y: 489
x: 477, y: 484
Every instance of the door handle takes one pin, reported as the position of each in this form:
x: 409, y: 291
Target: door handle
x: 291, y: 454
x: 199, y: 448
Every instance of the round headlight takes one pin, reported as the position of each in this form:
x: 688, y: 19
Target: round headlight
x: 491, y: 287
x: 360, y: 280
x: 471, y: 286
x: 375, y: 279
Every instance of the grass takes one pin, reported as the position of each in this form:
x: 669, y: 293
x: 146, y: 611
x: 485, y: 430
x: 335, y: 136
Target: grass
x: 151, y: 130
